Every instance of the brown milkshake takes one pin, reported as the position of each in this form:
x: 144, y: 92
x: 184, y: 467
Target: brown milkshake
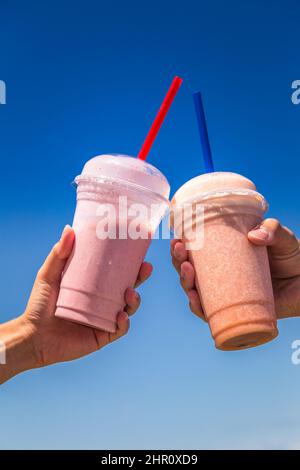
x: 232, y: 275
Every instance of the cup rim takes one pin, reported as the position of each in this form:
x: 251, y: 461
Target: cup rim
x: 222, y: 193
x: 104, y: 180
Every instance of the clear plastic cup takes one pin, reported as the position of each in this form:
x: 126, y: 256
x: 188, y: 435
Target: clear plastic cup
x: 232, y: 275
x: 120, y: 203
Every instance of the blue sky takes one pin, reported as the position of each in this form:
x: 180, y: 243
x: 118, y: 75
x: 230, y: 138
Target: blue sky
x: 85, y: 78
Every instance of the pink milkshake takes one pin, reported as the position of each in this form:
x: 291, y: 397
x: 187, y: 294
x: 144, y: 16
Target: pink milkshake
x: 120, y: 202
x: 232, y: 275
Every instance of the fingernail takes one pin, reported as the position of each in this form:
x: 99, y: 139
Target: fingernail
x: 65, y: 229
x: 260, y: 233
x: 123, y: 316
x: 137, y: 296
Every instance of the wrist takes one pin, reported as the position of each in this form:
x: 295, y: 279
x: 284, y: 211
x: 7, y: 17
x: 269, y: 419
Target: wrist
x: 17, y: 348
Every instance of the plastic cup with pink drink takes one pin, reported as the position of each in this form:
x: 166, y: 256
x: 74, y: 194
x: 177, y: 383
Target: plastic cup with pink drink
x: 120, y: 202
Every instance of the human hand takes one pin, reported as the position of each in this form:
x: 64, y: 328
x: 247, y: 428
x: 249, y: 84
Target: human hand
x: 284, y: 258
x: 58, y: 340
x: 37, y: 338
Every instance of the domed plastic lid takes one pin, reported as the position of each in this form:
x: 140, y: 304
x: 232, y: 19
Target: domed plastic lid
x: 127, y: 170
x: 213, y: 184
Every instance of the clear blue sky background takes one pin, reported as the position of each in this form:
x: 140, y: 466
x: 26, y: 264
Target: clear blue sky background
x: 85, y: 78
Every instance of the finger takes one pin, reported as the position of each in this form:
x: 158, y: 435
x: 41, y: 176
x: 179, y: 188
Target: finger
x: 264, y: 233
x: 133, y: 301
x: 187, y: 276
x: 123, y: 324
x: 144, y: 273
x: 179, y: 255
x: 54, y: 264
x: 283, y: 242
x: 195, y: 304
x: 281, y: 239
x: 271, y: 233
x: 283, y: 248
x: 103, y: 338
x: 172, y: 245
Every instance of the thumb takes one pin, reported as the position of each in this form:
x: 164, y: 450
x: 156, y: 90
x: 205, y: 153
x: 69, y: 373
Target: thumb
x: 283, y: 247
x: 281, y: 240
x: 55, y: 262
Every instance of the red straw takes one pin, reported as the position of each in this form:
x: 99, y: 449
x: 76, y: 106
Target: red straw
x: 163, y: 110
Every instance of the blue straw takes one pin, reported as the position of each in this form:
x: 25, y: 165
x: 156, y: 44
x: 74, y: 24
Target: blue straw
x: 208, y: 162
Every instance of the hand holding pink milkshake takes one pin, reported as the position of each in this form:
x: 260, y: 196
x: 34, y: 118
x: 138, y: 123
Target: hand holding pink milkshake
x: 120, y: 202
x: 112, y: 238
